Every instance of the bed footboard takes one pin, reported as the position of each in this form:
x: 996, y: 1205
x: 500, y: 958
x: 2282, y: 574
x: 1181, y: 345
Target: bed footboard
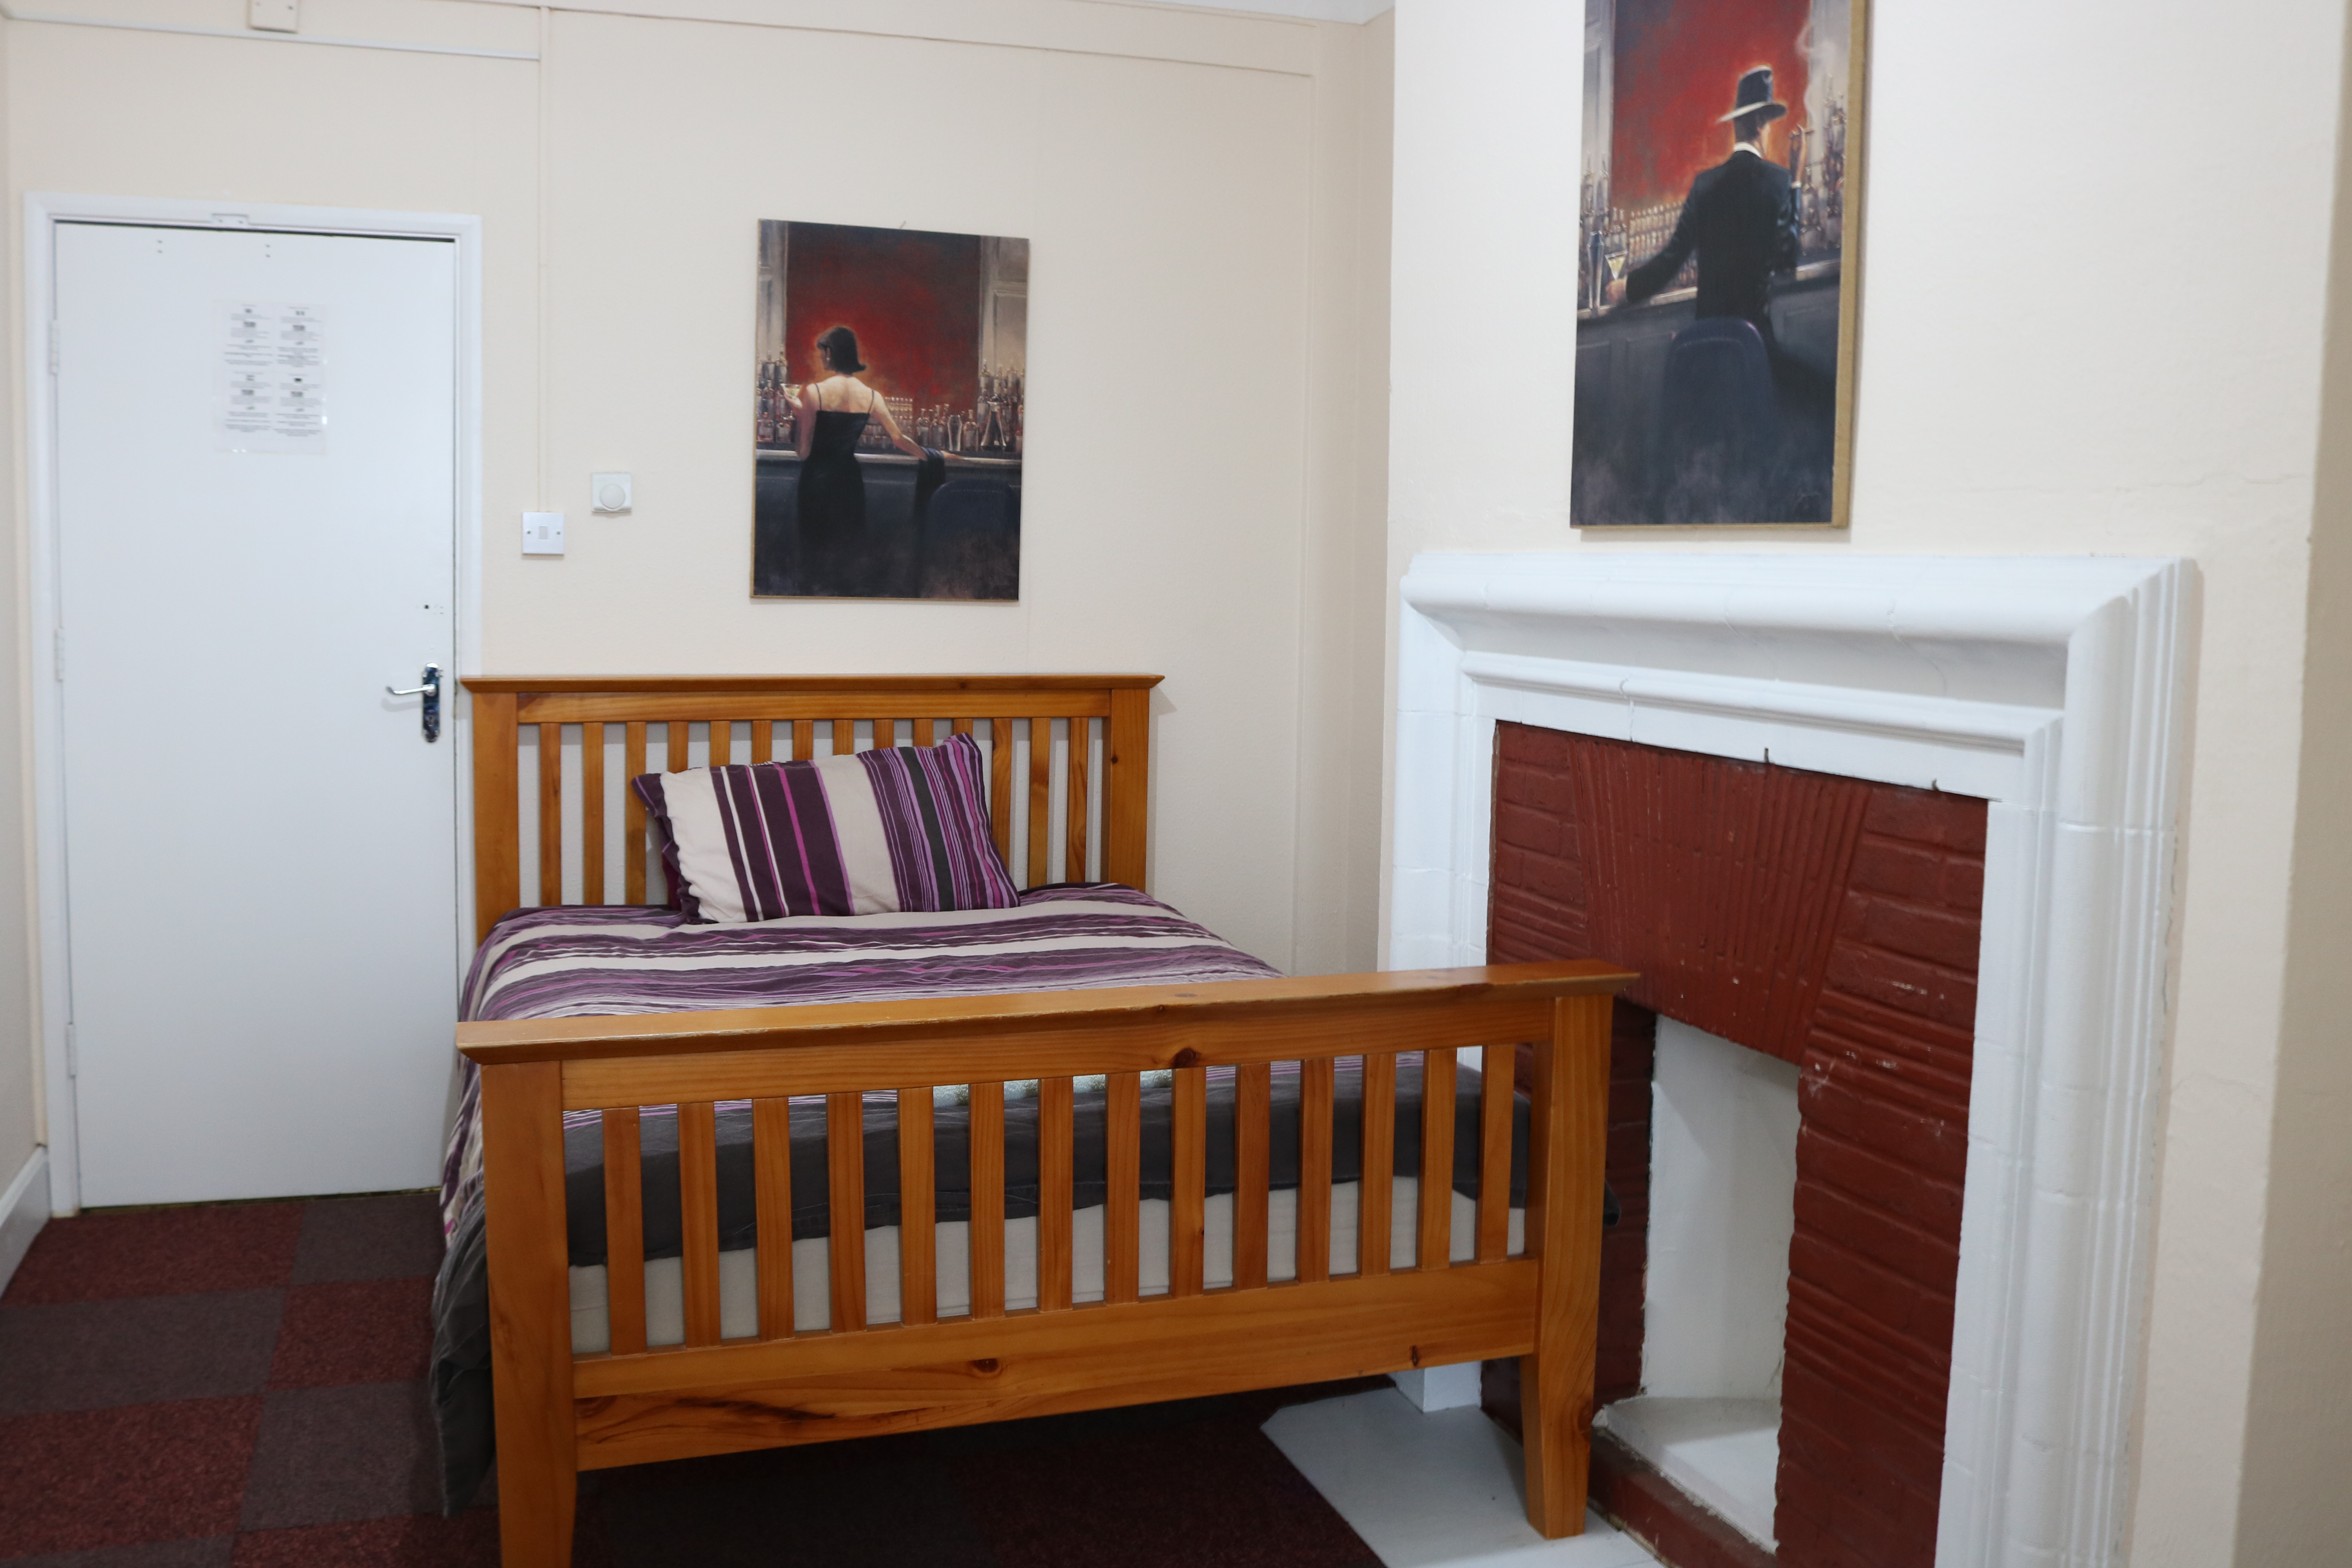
x: 558, y: 1414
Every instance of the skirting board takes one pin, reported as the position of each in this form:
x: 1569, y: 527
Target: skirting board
x: 23, y: 1209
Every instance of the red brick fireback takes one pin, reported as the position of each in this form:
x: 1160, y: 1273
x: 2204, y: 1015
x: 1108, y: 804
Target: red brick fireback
x: 1831, y: 922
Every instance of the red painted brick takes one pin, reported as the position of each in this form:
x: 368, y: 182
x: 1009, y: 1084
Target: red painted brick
x: 1902, y: 1190
x: 1835, y: 1099
x: 1946, y: 937
x: 1890, y: 866
x: 1537, y: 831
x: 1886, y: 1378
x: 1645, y: 1505
x: 1931, y: 1259
x: 1866, y: 1291
x: 1925, y: 990
x: 1955, y: 822
x: 1886, y: 1452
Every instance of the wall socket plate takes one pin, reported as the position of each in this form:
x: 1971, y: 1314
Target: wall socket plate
x: 274, y: 15
x: 543, y: 533
x: 611, y: 493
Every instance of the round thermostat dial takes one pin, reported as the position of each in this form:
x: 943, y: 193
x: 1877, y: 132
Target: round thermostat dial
x: 610, y: 497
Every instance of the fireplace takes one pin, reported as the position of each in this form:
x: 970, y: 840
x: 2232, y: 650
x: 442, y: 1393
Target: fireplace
x: 1809, y: 944
x: 1932, y: 722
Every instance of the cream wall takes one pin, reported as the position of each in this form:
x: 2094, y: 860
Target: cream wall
x: 2074, y: 339
x: 1206, y: 412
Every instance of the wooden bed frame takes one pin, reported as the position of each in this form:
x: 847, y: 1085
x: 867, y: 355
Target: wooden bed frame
x: 558, y: 1414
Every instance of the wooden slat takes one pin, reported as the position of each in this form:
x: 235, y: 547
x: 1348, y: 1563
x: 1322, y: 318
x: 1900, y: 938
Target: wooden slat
x: 1315, y: 1084
x: 723, y: 743
x: 763, y: 741
x: 772, y: 1159
x: 803, y: 740
x: 1055, y: 1203
x: 820, y: 1387
x: 624, y: 1230
x: 1495, y: 1152
x: 1000, y: 786
x: 1040, y: 798
x: 1073, y: 864
x: 1123, y: 1193
x: 886, y: 734
x: 961, y: 724
x: 681, y: 736
x: 917, y: 1200
x: 497, y: 811
x: 1253, y: 1100
x: 698, y: 1190
x: 1187, y: 1225
x: 530, y: 1311
x: 1127, y: 774
x: 987, y: 1255
x: 1570, y: 1145
x: 550, y: 814
x: 592, y: 814
x: 554, y: 707
x: 844, y: 737
x: 1376, y: 1193
x: 633, y: 819
x: 845, y: 1167
x: 1436, y: 1235
x: 923, y: 731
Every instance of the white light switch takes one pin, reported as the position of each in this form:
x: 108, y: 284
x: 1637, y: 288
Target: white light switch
x: 273, y: 15
x: 611, y: 493
x: 543, y: 533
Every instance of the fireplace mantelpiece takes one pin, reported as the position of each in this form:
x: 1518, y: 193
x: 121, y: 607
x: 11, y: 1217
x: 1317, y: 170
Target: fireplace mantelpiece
x: 2048, y: 686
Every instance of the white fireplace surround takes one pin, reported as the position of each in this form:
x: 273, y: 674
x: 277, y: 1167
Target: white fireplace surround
x: 2052, y: 686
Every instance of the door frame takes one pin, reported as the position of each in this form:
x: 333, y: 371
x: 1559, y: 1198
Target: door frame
x: 44, y: 211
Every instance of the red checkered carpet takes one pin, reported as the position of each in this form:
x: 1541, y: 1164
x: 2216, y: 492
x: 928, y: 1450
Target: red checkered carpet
x: 243, y: 1384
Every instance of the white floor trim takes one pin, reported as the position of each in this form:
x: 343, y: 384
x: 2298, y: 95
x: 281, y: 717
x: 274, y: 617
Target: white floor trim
x: 24, y: 1210
x: 1433, y: 1492
x: 1723, y: 1452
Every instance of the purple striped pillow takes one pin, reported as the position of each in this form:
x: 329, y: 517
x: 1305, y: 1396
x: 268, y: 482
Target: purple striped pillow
x: 898, y: 829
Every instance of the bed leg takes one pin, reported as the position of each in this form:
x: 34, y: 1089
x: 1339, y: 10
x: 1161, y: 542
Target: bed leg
x: 1568, y: 1150
x: 530, y: 1312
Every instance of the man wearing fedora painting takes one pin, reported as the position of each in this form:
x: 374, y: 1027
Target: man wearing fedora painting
x: 1740, y: 217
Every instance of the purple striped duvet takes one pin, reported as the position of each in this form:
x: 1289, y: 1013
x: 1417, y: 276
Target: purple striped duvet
x: 585, y: 960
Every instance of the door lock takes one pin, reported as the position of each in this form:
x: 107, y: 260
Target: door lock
x: 431, y: 692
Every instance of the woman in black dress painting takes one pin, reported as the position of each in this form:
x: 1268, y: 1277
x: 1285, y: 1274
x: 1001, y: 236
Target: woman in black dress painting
x: 837, y: 556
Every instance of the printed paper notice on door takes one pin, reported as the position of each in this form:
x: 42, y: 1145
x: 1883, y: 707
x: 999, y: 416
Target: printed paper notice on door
x: 271, y: 380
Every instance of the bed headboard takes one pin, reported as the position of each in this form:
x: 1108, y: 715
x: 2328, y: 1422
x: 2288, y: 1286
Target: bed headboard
x: 1083, y: 740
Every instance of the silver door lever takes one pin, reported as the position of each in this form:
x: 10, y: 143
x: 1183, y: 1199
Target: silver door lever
x: 431, y: 692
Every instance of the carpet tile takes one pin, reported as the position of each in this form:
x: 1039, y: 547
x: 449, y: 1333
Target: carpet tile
x: 160, y: 1252
x: 358, y: 1331
x: 242, y: 1386
x: 212, y: 1552
x: 139, y: 1350
x: 80, y: 1479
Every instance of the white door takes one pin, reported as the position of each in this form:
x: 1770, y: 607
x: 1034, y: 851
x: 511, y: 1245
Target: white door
x: 257, y: 524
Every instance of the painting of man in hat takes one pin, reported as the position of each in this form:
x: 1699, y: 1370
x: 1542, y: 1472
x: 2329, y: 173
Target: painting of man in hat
x: 1715, y: 290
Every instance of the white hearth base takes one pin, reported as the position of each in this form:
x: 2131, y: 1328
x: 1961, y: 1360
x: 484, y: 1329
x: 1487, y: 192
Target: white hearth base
x: 2050, y: 686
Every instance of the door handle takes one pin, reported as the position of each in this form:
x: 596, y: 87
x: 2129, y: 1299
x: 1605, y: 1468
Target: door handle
x: 431, y: 692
